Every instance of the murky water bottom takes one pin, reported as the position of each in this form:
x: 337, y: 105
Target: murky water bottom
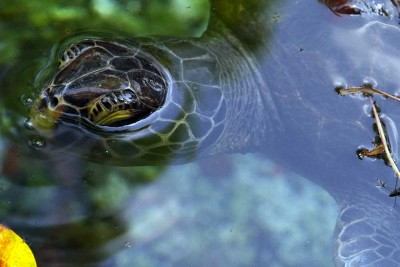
x: 236, y: 210
x: 255, y: 215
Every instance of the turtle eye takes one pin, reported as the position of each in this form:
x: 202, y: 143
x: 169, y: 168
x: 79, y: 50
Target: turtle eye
x: 53, y: 101
x: 50, y: 99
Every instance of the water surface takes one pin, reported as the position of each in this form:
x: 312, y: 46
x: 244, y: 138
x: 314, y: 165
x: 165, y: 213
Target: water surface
x: 239, y: 210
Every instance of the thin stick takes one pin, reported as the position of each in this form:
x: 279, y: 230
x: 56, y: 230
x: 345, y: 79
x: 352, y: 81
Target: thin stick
x: 383, y: 139
x: 365, y: 89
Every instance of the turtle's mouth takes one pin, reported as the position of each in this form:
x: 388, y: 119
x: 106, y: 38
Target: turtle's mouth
x: 118, y: 109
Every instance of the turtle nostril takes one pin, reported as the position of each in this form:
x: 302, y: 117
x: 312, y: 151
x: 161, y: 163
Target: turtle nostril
x: 53, y: 102
x: 41, y: 104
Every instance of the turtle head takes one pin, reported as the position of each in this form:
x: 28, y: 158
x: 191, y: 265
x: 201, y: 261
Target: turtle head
x: 132, y: 102
x: 102, y: 84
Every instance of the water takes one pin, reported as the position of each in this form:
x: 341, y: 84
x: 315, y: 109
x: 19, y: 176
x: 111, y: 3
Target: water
x: 239, y: 210
x: 232, y: 219
x: 253, y: 213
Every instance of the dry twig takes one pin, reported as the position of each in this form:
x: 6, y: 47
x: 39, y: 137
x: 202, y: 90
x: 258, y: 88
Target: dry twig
x: 384, y: 142
x: 366, y: 90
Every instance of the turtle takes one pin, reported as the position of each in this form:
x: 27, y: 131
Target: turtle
x: 262, y: 84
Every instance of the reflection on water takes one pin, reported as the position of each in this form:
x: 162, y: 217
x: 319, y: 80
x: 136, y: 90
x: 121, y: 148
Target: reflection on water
x: 239, y: 218
x: 251, y: 214
x: 227, y: 211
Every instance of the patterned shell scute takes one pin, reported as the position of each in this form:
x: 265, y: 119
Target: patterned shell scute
x: 91, y: 59
x: 197, y: 105
x: 101, y: 82
x: 197, y: 96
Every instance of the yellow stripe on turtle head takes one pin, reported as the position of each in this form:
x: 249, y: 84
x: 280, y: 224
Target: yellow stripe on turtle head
x: 14, y: 252
x: 108, y: 118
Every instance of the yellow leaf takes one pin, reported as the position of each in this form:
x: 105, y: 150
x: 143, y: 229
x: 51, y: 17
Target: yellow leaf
x: 14, y: 252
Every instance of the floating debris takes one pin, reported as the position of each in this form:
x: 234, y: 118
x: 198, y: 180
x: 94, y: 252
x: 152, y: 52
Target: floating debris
x: 382, y: 149
x: 13, y: 250
x: 366, y: 89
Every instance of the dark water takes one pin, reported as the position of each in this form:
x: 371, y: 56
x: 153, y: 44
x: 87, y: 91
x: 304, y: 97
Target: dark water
x: 248, y: 212
x: 239, y: 210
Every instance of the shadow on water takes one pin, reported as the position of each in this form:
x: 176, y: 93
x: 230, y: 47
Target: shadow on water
x: 225, y: 211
